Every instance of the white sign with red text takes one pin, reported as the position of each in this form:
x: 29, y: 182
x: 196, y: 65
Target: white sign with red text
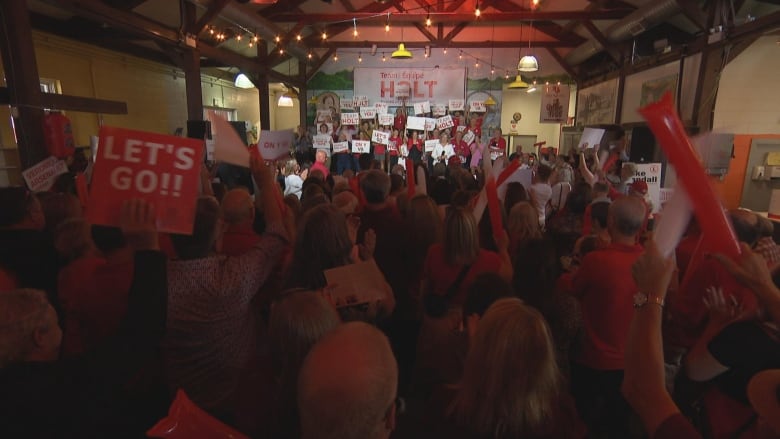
x: 361, y: 146
x: 274, y: 145
x: 360, y: 101
x: 322, y: 141
x: 380, y: 137
x: 477, y: 106
x: 385, y: 119
x: 381, y: 108
x: 350, y: 119
x: 367, y: 112
x: 445, y: 122
x: 41, y: 177
x: 341, y: 146
x: 430, y: 124
x: 430, y: 145
x: 415, y: 123
x: 439, y: 109
x: 384, y: 84
x: 456, y: 105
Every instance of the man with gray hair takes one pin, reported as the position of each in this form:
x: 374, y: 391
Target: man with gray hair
x: 347, y: 385
x: 606, y: 290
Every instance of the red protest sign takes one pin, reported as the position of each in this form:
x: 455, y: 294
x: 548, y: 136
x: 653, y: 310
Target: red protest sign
x: 163, y: 170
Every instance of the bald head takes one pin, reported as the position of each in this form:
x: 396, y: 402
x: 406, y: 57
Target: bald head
x: 746, y: 225
x: 347, y: 385
x: 321, y: 156
x: 237, y: 207
x: 625, y: 218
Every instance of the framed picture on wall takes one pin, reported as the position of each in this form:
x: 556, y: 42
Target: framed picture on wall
x: 596, y: 104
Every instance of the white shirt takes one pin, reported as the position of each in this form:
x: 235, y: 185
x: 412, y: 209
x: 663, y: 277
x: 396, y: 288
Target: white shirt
x: 541, y: 194
x: 440, y: 149
x: 293, y: 185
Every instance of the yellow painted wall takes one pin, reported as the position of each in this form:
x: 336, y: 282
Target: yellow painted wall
x: 154, y: 93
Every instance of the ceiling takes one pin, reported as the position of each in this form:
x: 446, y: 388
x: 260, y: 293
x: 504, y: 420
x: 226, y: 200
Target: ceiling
x: 582, y: 38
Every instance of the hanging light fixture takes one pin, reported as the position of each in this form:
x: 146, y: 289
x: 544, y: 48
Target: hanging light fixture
x: 401, y: 53
x: 528, y: 63
x: 490, y: 101
x: 387, y: 23
x: 242, y: 81
x: 518, y: 83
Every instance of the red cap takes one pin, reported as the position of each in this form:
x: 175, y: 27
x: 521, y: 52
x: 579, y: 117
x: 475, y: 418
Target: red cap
x: 638, y: 186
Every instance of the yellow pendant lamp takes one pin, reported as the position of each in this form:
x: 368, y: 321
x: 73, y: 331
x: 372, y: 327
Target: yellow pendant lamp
x: 518, y: 83
x: 401, y: 53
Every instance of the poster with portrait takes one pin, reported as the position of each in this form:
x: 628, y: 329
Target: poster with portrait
x: 325, y: 128
x: 328, y: 107
x: 555, y: 104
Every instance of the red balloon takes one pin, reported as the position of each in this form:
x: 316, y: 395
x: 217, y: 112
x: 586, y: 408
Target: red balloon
x: 185, y: 420
x: 667, y: 127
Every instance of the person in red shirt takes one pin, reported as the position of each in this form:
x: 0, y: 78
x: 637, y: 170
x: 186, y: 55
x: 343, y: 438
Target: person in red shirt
x: 497, y: 145
x: 319, y: 163
x: 606, y: 289
x: 399, y: 121
x: 392, y: 149
x: 415, y: 147
x: 461, y: 148
x: 238, y: 213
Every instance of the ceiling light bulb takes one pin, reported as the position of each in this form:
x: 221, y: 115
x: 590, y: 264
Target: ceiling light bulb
x: 506, y: 76
x: 477, y: 12
x: 387, y: 27
x: 336, y: 57
x: 384, y: 58
x: 476, y: 64
x: 211, y: 31
x: 255, y: 38
x: 460, y: 55
x: 309, y: 55
x: 355, y: 33
x: 492, y: 71
x: 360, y: 58
x: 281, y: 51
x: 428, y: 21
x: 299, y: 37
x: 324, y: 35
x: 444, y: 51
x: 250, y: 44
x: 238, y: 37
x: 278, y: 38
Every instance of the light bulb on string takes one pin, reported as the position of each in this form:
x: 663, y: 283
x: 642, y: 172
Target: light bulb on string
x: 238, y: 37
x: 492, y: 71
x: 310, y: 55
x: 387, y: 23
x: 506, y: 75
x: 299, y: 37
x: 281, y: 51
x: 428, y: 19
x: 335, y: 57
x: 383, y: 57
x: 460, y: 55
x: 211, y: 31
x: 354, y: 28
x: 444, y: 51
x: 278, y: 38
x: 324, y: 35
x: 255, y: 39
x: 476, y: 64
x: 251, y: 44
x: 477, y: 12
x: 360, y: 58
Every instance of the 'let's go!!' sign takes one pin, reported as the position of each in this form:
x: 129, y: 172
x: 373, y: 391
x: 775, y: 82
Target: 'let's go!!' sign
x: 163, y: 170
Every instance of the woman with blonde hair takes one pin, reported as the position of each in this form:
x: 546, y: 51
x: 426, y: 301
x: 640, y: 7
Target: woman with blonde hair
x: 522, y: 225
x: 511, y: 385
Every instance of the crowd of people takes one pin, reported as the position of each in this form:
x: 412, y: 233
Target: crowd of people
x: 566, y: 323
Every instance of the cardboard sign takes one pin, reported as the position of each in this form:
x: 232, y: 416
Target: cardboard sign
x: 341, y: 146
x: 275, y: 145
x: 422, y: 107
x: 650, y: 173
x: 469, y: 137
x: 385, y: 119
x: 590, y: 138
x: 367, y: 113
x: 439, y: 109
x: 356, y: 284
x: 347, y: 104
x: 164, y: 170
x: 381, y: 108
x: 522, y: 176
x: 431, y: 144
x: 361, y: 146
x: 360, y: 101
x: 322, y: 141
x: 430, y: 124
x: 456, y: 105
x: 380, y: 137
x: 415, y: 123
x: 42, y: 176
x: 392, y: 145
x: 228, y: 147
x: 460, y: 129
x: 445, y: 122
x: 324, y: 116
x: 350, y: 119
x: 477, y: 107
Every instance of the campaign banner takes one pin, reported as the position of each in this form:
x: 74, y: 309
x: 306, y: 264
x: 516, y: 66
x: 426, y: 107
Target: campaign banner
x: 380, y: 137
x: 392, y: 84
x: 275, y: 145
x: 445, y: 122
x: 477, y: 106
x: 415, y: 123
x: 350, y: 119
x: 322, y: 141
x: 361, y: 101
x: 341, y: 146
x: 650, y: 173
x: 555, y: 104
x: 431, y: 144
x: 361, y: 146
x: 430, y: 124
x: 164, y: 170
x: 381, y: 108
x: 456, y: 105
x: 439, y: 109
x: 43, y: 174
x: 347, y: 104
x: 385, y: 119
x: 367, y: 112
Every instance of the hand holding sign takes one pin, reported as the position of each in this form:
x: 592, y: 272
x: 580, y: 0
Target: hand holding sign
x: 137, y: 221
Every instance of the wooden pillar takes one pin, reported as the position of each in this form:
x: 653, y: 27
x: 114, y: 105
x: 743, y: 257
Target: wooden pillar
x: 21, y: 73
x: 191, y: 66
x: 303, y: 101
x: 264, y: 91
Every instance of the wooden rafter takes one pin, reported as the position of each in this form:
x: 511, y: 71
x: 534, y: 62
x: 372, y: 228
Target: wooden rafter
x: 424, y: 31
x: 455, y: 31
x: 126, y: 5
x: 282, y: 7
x: 211, y: 13
x: 456, y: 17
x: 693, y: 13
x: 455, y: 5
x: 348, y: 5
x: 569, y: 69
x: 602, y: 40
x: 319, y: 63
x: 419, y: 44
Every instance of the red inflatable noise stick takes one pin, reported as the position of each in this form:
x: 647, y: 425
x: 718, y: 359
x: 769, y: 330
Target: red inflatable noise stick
x: 185, y: 420
x: 668, y: 129
x: 410, y: 171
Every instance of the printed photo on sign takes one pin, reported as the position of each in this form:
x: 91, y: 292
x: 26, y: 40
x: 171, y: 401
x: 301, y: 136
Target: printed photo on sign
x: 438, y: 109
x: 456, y: 105
x: 445, y: 122
x: 380, y: 137
x: 360, y: 101
x: 324, y: 116
x: 430, y: 124
x: 469, y: 137
x: 385, y: 119
x: 367, y: 113
x: 392, y: 145
x: 164, y: 170
x: 350, y: 119
x: 415, y: 123
x: 431, y: 144
x: 590, y: 138
x: 325, y: 128
x: 477, y: 107
x: 341, y: 146
x: 361, y: 146
x: 381, y: 108
x: 275, y: 145
x: 42, y: 176
x: 322, y: 141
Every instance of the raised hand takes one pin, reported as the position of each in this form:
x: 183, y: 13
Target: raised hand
x: 137, y: 220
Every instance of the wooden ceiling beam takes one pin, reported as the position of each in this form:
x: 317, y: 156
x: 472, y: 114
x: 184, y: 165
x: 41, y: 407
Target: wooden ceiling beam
x: 609, y: 47
x: 348, y: 5
x: 454, y: 17
x: 455, y: 31
x: 211, y: 13
x: 431, y: 37
x: 568, y: 68
x: 57, y: 101
x: 692, y: 12
x: 461, y: 44
x: 282, y: 7
x: 454, y: 6
x: 319, y: 63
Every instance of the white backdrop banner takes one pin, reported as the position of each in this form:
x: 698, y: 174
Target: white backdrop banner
x: 382, y: 84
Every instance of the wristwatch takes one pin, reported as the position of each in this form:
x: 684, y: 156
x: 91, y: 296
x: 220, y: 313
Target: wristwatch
x: 641, y: 299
